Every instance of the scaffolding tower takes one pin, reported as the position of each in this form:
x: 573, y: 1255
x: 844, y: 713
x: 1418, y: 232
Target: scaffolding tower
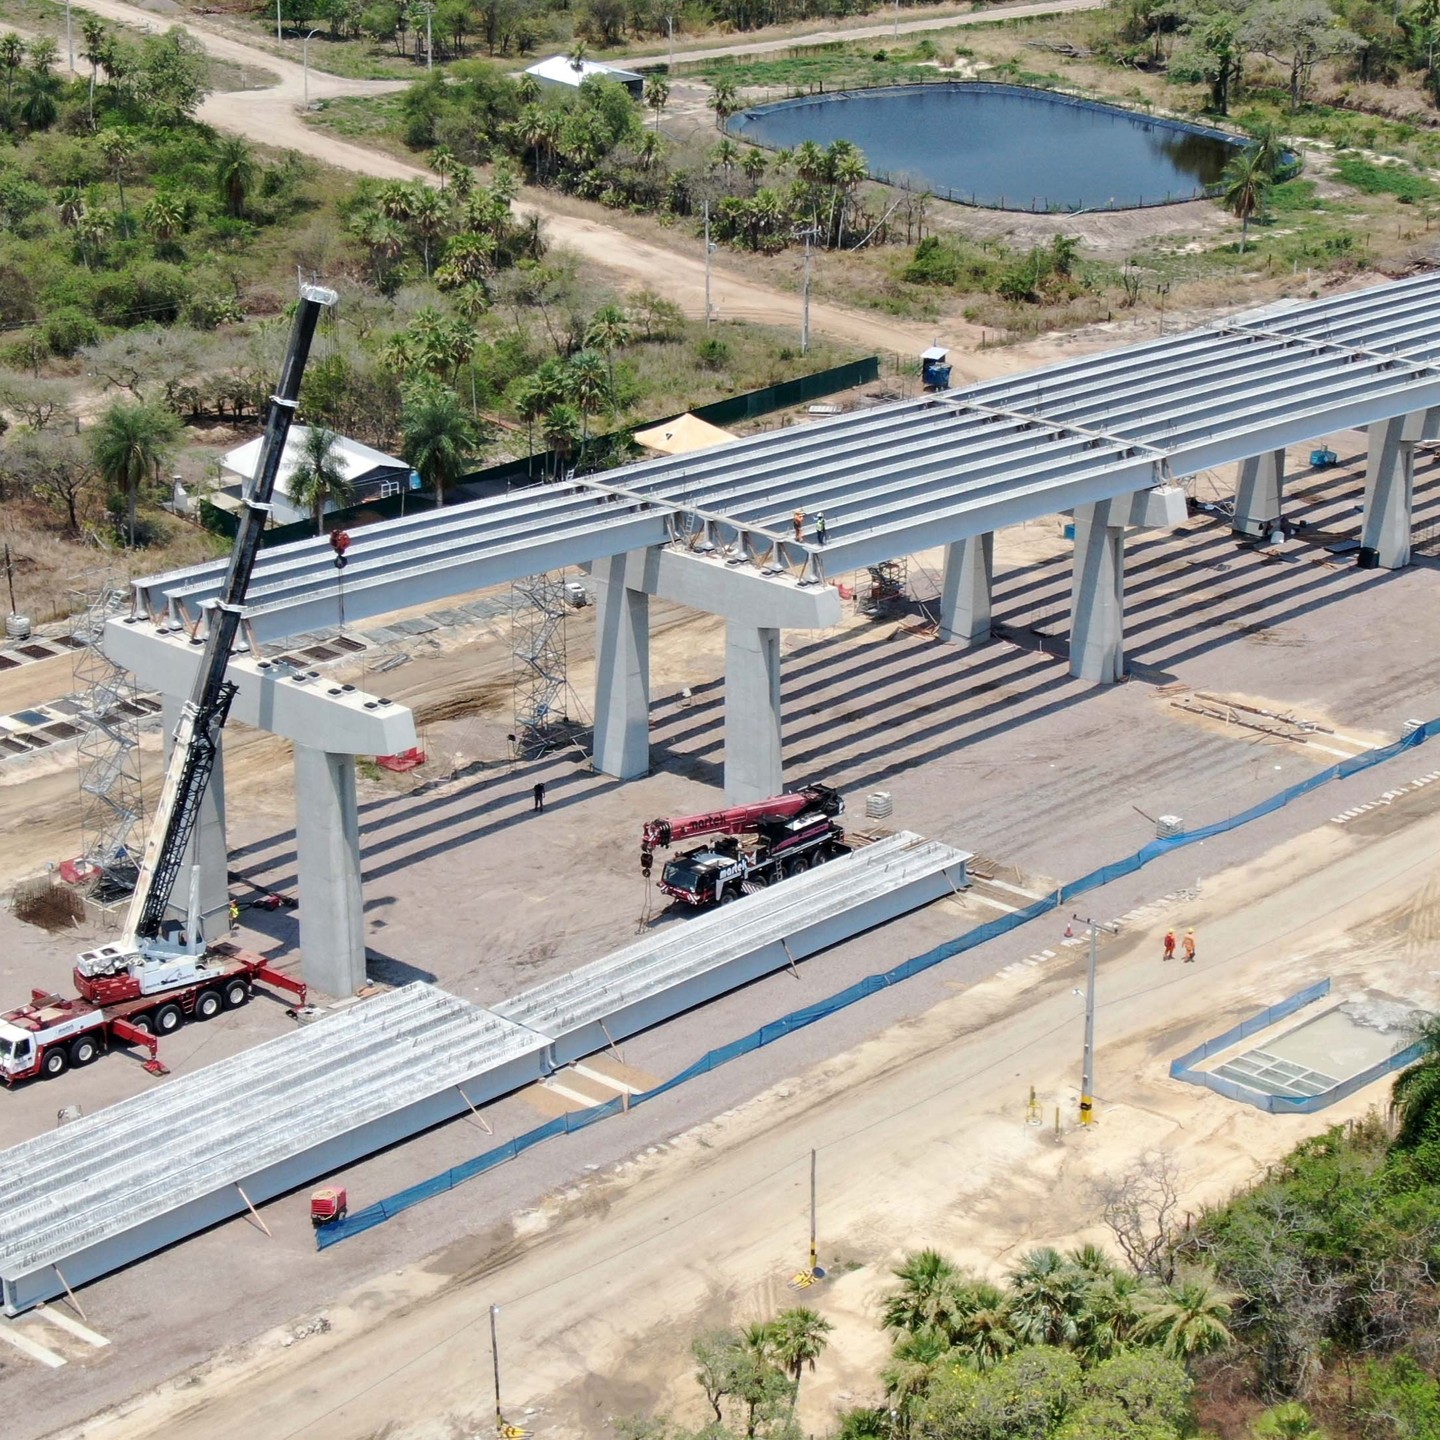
x: 108, y: 748
x: 538, y: 606
x: 889, y: 585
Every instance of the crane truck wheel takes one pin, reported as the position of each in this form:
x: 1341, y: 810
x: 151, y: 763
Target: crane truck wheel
x: 168, y: 1019
x: 142, y: 1022
x: 208, y: 1004
x: 729, y: 895
x: 797, y: 866
x: 56, y: 1062
x: 236, y: 994
x: 83, y: 1050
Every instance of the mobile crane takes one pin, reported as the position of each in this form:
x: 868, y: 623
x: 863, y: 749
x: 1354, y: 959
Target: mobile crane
x: 157, y: 973
x: 791, y: 833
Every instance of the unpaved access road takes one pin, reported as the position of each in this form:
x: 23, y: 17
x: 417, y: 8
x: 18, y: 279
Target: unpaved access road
x: 921, y: 1138
x: 272, y: 116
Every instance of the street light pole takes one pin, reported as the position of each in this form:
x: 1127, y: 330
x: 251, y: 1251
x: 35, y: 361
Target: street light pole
x: 279, y: 34
x: 670, y: 62
x: 709, y: 248
x: 305, y: 63
x: 69, y: 37
x: 805, y: 299
x: 1087, y: 1077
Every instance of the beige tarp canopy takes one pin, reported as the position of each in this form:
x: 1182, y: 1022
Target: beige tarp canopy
x: 682, y: 435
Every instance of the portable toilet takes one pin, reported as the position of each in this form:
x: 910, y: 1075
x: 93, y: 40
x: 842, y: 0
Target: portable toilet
x: 934, y: 369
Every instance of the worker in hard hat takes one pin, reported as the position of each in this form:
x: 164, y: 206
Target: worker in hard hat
x: 1189, y: 947
x: 820, y: 528
x: 1169, y: 944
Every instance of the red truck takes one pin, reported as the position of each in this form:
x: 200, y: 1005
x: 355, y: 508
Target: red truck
x: 54, y: 1032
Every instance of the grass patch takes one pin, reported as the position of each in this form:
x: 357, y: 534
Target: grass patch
x: 360, y: 117
x: 833, y: 65
x: 1372, y: 179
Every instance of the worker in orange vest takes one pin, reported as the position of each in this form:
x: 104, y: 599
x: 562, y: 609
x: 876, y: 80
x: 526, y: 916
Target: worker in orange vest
x: 1189, y: 947
x: 1170, y: 943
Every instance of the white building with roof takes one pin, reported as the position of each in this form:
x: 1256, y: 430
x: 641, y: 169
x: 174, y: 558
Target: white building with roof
x: 370, y: 474
x: 562, y: 70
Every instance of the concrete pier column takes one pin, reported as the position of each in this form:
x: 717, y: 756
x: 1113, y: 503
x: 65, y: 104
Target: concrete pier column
x: 1389, y: 491
x: 752, y: 713
x: 965, y: 593
x: 327, y: 836
x: 622, y: 673
x: 207, y: 846
x: 1259, y: 493
x: 1097, y: 593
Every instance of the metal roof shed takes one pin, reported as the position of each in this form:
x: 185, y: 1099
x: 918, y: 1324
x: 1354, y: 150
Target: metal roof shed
x: 561, y: 70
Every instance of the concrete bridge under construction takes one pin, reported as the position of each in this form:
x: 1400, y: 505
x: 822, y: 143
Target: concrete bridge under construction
x: 1107, y: 437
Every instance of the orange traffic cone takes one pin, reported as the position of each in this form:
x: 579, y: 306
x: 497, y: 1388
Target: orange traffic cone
x: 1069, y: 931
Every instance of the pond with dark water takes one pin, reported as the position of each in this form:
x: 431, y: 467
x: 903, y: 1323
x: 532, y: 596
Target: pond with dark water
x: 1004, y: 146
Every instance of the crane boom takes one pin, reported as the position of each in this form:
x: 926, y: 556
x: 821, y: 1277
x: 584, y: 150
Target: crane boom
x: 197, y: 736
x: 738, y: 819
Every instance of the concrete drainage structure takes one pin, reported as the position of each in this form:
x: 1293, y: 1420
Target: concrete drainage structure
x: 1106, y: 437
x: 109, y: 1188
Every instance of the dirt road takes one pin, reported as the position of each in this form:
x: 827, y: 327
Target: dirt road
x: 602, y: 1287
x: 272, y: 116
x: 986, y: 16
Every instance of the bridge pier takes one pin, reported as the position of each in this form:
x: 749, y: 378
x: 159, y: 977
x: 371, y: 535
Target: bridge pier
x: 207, y: 847
x: 965, y: 591
x: 327, y: 843
x: 622, y: 673
x: 1389, y: 490
x: 1259, y: 493
x: 1097, y: 592
x: 753, y: 768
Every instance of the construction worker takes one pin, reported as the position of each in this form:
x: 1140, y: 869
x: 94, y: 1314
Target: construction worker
x: 1189, y: 947
x: 539, y: 793
x: 234, y: 916
x: 820, y: 528
x: 1170, y: 943
x: 798, y: 521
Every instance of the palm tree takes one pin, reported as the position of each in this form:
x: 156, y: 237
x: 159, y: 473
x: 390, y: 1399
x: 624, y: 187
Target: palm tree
x: 1416, y: 1091
x: 96, y: 45
x: 1269, y: 147
x: 608, y: 331
x: 443, y: 163
x: 1247, y: 185
x: 588, y: 388
x: 70, y: 202
x: 657, y: 95
x: 164, y: 218
x: 12, y: 57
x: 234, y: 173
x: 914, y: 1362
x: 43, y: 53
x: 1188, y: 1318
x: 118, y: 148
x: 929, y: 1296
x: 385, y: 238
x: 428, y: 214
x: 753, y: 163
x: 797, y: 1339
x: 39, y: 99
x: 131, y: 441
x: 440, y: 437
x: 397, y: 200
x: 984, y: 1333
x: 91, y: 229
x: 1047, y: 1298
x: 723, y: 100
x: 319, y: 477
x: 469, y: 260
x: 725, y: 154
x: 561, y: 428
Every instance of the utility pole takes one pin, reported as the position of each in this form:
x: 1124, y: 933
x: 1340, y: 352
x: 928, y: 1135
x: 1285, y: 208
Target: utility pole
x: 897, y: 19
x: 502, y: 1426
x: 670, y: 63
x: 69, y: 37
x: 279, y: 33
x: 709, y: 251
x: 805, y: 298
x: 1087, y: 1078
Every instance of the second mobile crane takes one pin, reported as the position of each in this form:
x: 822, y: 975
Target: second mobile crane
x: 157, y: 973
x: 785, y: 835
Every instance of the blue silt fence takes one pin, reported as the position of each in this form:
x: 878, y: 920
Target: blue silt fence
x: 392, y: 1205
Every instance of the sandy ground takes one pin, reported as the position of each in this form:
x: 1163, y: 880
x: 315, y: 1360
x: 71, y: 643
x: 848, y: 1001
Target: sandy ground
x: 996, y: 750
x: 602, y: 1285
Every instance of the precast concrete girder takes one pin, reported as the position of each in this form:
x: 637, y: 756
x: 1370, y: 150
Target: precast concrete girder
x: 282, y: 701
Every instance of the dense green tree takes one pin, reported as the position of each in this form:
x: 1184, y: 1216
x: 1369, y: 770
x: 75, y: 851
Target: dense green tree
x: 130, y: 442
x: 441, y: 439
x: 318, y: 478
